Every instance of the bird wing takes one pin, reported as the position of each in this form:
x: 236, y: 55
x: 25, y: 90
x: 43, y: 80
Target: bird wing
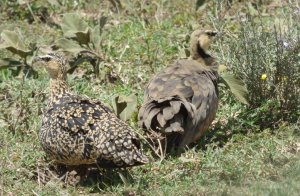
x: 79, y: 115
x: 183, y: 79
x: 102, y: 135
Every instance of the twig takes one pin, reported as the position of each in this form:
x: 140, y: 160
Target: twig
x: 35, y: 193
x: 31, y: 12
x: 157, y: 150
x: 38, y: 175
x: 100, y: 57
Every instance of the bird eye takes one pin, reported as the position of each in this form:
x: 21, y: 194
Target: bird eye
x: 211, y: 33
x: 47, y: 59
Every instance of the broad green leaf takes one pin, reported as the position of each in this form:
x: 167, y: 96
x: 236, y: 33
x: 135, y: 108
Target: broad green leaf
x: 78, y: 61
x: 199, y: 3
x: 83, y: 37
x: 124, y: 106
x: 131, y: 102
x: 73, y: 26
x: 73, y: 22
x: 236, y: 86
x: 14, y: 44
x: 21, y: 2
x: 102, y: 22
x: 118, y: 107
x: 53, y: 2
x: 31, y: 58
x: 8, y: 62
x: 96, y: 38
x: 69, y: 45
x: 252, y: 10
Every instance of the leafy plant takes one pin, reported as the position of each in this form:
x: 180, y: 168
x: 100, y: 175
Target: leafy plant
x: 124, y: 106
x: 266, y: 56
x: 13, y: 43
x: 82, y: 40
x: 235, y: 85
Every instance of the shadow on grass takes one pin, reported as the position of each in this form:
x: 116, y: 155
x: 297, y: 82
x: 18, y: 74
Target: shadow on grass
x: 101, y: 180
x: 222, y: 132
x: 96, y: 179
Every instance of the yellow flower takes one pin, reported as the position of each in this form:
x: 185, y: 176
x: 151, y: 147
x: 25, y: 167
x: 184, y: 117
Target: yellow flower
x: 263, y: 77
x: 284, y: 78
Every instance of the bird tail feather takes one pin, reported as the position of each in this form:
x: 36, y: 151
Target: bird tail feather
x: 165, y: 115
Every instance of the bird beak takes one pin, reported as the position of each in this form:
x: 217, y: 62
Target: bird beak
x: 218, y: 34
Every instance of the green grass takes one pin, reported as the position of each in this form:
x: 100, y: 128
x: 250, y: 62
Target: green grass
x: 249, y: 151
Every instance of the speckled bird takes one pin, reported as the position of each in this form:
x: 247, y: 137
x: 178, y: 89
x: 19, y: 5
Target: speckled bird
x: 77, y: 130
x: 181, y: 101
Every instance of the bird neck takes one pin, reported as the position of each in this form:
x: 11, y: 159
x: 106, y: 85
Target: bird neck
x: 200, y: 55
x: 58, y: 88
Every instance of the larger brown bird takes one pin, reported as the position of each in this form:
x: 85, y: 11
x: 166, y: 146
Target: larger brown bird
x: 181, y: 101
x: 77, y: 130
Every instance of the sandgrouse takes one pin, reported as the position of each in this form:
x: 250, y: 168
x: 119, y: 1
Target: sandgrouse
x: 181, y: 101
x: 78, y: 130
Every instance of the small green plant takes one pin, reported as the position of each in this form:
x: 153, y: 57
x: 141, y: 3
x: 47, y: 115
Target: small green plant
x: 124, y: 106
x: 13, y: 43
x: 235, y: 85
x: 82, y: 40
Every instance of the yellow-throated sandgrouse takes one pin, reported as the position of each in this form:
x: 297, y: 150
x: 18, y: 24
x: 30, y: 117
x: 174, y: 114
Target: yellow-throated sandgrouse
x: 181, y: 101
x: 77, y: 130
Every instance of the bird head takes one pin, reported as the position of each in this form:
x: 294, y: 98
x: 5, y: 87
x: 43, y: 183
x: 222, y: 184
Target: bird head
x: 201, y: 41
x: 55, y: 64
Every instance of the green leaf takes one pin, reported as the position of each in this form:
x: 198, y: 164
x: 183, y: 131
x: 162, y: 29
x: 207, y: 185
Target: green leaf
x: 8, y: 62
x: 236, y: 86
x: 69, y: 46
x: 199, y: 3
x: 252, y: 10
x: 14, y: 44
x: 102, y: 22
x: 116, y: 4
x: 73, y: 26
x: 124, y: 106
x: 96, y: 37
x: 21, y: 2
x: 78, y: 61
x: 53, y: 2
x: 31, y: 58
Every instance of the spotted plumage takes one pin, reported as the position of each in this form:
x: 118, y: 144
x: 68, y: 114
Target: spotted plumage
x: 181, y: 101
x: 78, y: 130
